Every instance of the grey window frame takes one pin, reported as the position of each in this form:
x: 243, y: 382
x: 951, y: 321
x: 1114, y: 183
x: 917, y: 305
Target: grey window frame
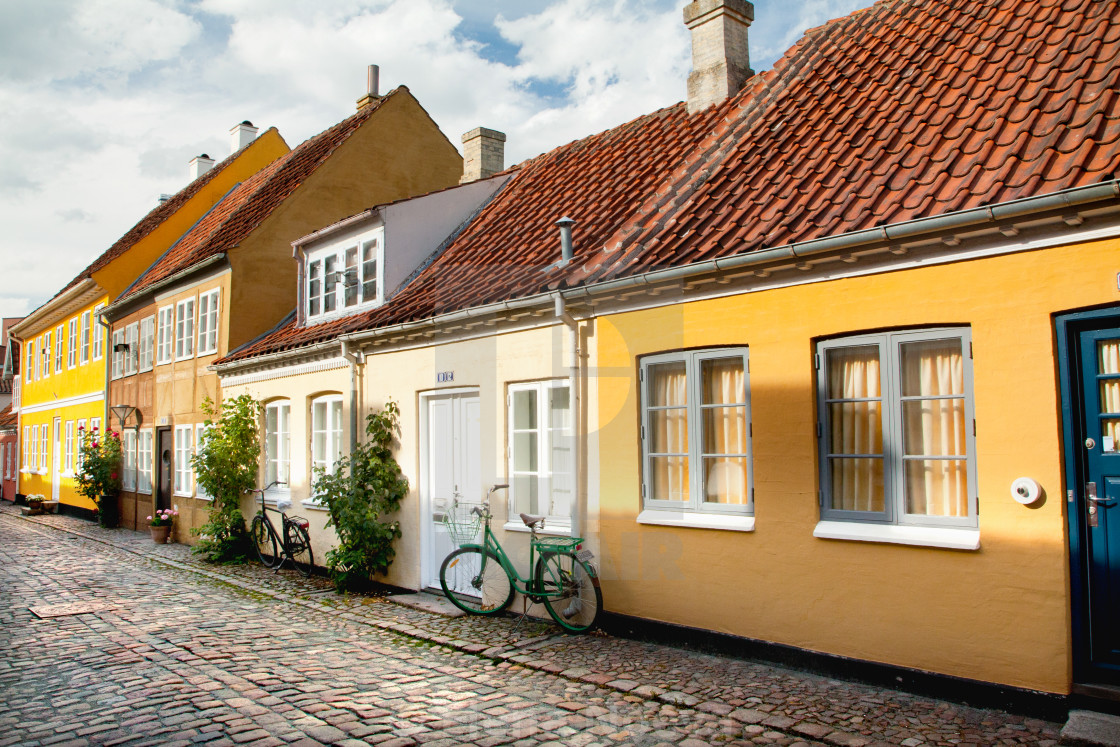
x: 694, y: 410
x: 890, y: 345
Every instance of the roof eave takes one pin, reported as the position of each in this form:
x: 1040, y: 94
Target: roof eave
x: 57, y: 308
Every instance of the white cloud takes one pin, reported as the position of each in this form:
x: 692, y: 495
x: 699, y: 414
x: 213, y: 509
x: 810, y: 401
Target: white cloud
x: 105, y: 101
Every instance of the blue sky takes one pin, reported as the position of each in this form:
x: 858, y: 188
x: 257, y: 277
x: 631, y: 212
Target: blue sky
x: 106, y: 101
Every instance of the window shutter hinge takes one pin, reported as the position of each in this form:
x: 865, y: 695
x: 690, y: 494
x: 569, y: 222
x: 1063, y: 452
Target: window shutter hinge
x: 643, y: 433
x: 817, y: 361
x: 820, y: 429
x: 643, y: 490
x: 750, y: 430
x: 974, y: 427
x: 970, y: 349
x: 641, y: 374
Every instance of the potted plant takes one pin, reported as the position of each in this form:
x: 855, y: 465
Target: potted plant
x: 99, y: 478
x: 160, y: 524
x: 35, y: 503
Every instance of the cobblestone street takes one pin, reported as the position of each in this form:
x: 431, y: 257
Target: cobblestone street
x: 171, y: 651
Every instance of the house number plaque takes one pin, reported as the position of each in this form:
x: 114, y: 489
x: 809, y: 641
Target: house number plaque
x: 443, y: 377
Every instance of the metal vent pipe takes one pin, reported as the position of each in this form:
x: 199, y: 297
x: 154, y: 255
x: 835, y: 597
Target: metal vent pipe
x: 565, y: 224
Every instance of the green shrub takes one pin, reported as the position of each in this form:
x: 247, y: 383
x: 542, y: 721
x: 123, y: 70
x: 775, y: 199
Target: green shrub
x: 225, y: 467
x: 364, y: 488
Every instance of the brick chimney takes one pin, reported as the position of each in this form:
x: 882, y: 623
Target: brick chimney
x: 241, y: 135
x: 484, y: 154
x: 720, y: 58
x: 200, y: 165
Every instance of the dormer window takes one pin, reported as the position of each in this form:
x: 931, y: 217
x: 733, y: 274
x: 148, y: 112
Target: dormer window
x: 344, y: 277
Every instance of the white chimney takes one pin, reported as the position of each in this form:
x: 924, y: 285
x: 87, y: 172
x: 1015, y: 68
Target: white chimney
x: 720, y: 58
x: 241, y: 135
x: 200, y: 165
x: 373, y: 75
x: 484, y: 154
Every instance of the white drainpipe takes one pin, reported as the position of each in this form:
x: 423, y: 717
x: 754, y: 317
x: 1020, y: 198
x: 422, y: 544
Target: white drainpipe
x: 573, y: 402
x: 355, y: 360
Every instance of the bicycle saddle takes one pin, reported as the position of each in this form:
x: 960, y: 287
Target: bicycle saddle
x: 531, y: 520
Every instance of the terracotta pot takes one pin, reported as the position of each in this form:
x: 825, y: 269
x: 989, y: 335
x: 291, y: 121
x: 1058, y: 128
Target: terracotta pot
x: 160, y: 534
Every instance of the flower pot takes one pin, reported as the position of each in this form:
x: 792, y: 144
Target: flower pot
x: 160, y: 534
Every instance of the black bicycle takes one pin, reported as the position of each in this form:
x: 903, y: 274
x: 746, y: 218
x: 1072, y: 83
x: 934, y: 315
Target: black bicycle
x: 295, y: 546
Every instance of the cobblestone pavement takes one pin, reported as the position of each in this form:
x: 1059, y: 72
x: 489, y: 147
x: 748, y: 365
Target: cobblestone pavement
x: 190, y: 653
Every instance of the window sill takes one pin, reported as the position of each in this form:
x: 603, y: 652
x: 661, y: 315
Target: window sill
x: 952, y: 539
x: 177, y: 494
x: 204, y: 498
x: 313, y: 505
x: 549, y: 531
x: 733, y: 523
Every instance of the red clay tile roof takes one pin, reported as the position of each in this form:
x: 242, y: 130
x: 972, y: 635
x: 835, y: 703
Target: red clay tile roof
x: 151, y: 221
x: 248, y: 205
x: 8, y: 419
x: 905, y: 110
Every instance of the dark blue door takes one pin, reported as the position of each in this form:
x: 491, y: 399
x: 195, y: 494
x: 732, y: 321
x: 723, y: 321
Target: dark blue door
x: 1100, y: 504
x: 1089, y: 347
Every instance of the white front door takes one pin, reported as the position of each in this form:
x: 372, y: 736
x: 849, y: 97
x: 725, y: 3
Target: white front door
x: 56, y: 460
x: 451, y: 472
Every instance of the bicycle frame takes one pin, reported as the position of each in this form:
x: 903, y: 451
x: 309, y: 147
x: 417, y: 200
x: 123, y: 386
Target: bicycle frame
x: 527, y: 586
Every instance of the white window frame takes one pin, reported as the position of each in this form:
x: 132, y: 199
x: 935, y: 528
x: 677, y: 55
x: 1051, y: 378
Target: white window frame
x: 144, y: 463
x: 45, y: 355
x: 165, y: 335
x: 132, y: 354
x: 281, y: 411
x: 547, y: 435
x: 694, y: 511
x: 128, y: 460
x: 146, y: 343
x: 58, y: 347
x: 27, y: 448
x: 84, y: 357
x: 72, y: 340
x: 199, y: 430
x: 184, y: 329
x: 69, y: 447
x: 78, y: 444
x: 184, y: 449
x: 332, y: 432
x: 208, y: 317
x: 45, y: 447
x: 118, y: 354
x: 30, y: 361
x: 318, y: 285
x: 898, y: 525
x: 98, y: 333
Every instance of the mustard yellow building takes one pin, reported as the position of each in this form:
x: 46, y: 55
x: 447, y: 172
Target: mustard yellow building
x: 839, y: 347
x: 64, y: 342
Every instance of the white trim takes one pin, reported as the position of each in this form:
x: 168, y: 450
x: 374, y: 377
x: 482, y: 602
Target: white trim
x: 285, y: 371
x: 953, y: 539
x: 547, y: 531
x: 313, y: 504
x: 179, y: 290
x: 693, y: 520
x: 84, y: 399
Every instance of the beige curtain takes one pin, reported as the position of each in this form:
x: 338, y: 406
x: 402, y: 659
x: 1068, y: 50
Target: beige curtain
x: 856, y: 428
x: 1108, y: 354
x: 668, y: 425
x: 934, y: 428
x: 725, y: 432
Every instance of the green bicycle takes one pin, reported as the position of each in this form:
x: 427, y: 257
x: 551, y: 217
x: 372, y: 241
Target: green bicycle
x: 480, y: 579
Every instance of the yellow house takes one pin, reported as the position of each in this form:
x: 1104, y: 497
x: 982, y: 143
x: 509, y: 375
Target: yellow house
x: 64, y: 344
x: 231, y: 279
x: 839, y: 347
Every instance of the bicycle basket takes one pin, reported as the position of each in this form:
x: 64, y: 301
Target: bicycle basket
x: 463, y: 526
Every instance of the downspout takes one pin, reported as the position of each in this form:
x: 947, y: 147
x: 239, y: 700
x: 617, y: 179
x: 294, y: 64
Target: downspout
x: 355, y: 360
x: 574, y: 400
x: 107, y: 353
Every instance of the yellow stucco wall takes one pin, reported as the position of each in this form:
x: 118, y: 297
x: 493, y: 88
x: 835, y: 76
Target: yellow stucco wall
x: 999, y: 614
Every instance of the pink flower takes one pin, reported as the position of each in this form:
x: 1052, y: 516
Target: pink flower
x: 81, y: 427
x: 149, y: 518
x: 95, y: 429
x: 94, y: 444
x: 112, y: 475
x: 174, y: 513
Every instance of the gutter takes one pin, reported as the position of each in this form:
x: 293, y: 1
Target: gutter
x: 1069, y: 198
x: 118, y: 307
x: 355, y: 360
x: 573, y: 403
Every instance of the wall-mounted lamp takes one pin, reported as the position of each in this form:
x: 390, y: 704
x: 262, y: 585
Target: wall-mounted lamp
x: 121, y: 347
x: 123, y: 412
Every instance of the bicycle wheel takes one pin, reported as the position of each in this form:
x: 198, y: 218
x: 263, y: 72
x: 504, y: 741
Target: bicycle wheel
x: 475, y: 582
x: 298, y: 547
x: 571, y: 591
x: 263, y: 537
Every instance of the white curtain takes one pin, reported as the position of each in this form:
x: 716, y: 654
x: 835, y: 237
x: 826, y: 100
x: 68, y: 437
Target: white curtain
x: 725, y: 432
x: 1108, y: 354
x: 934, y: 428
x: 668, y: 388
x: 856, y: 428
